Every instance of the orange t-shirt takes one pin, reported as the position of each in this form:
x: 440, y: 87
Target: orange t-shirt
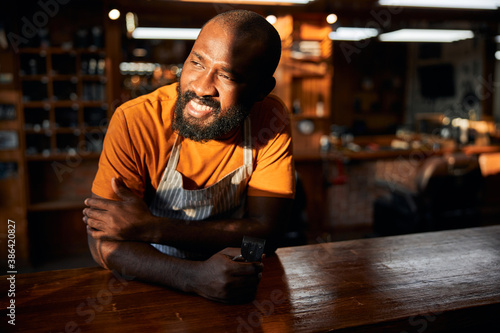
x: 140, y: 138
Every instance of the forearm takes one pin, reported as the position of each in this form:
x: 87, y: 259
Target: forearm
x: 143, y: 262
x: 131, y: 220
x: 208, y: 236
x: 267, y: 218
x: 218, y: 278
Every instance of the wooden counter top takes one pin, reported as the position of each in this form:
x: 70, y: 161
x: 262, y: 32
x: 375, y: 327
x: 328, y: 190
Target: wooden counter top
x: 441, y: 281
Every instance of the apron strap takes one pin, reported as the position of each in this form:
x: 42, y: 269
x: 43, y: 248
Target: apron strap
x: 247, y: 145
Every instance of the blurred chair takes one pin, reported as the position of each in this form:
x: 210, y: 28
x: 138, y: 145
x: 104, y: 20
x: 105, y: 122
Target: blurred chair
x: 447, y: 195
x: 490, y: 203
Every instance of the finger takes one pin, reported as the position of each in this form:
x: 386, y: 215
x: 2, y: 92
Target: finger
x: 94, y: 233
x: 100, y: 203
x: 94, y: 214
x: 231, y: 251
x: 121, y: 190
x: 96, y: 223
x: 247, y: 268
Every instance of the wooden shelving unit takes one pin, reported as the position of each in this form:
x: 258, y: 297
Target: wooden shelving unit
x: 65, y: 108
x: 304, y: 77
x: 12, y: 166
x: 63, y: 94
x: 71, y: 96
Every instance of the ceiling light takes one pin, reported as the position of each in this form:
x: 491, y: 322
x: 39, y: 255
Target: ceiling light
x: 353, y: 34
x: 114, y: 14
x: 426, y: 35
x: 458, y: 4
x: 331, y: 19
x: 497, y: 39
x: 166, y: 33
x: 130, y: 22
x: 497, y: 55
x: 271, y: 19
x: 256, y: 2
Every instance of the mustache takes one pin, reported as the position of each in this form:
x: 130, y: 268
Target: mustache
x: 208, y: 101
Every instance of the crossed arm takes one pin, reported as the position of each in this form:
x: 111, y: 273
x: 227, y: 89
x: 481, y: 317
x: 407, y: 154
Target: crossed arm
x: 120, y: 232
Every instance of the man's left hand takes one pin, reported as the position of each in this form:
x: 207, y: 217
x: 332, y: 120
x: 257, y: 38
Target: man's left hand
x: 126, y: 219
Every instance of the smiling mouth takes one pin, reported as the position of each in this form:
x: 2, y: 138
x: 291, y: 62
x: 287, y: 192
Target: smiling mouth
x: 198, y: 110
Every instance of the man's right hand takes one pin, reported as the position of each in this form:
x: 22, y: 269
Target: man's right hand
x: 222, y: 279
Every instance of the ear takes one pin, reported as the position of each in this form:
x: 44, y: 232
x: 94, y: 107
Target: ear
x: 265, y: 87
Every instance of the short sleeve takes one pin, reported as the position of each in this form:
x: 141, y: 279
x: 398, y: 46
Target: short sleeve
x: 274, y: 170
x: 118, y: 159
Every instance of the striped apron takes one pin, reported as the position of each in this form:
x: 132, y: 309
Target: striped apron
x: 224, y: 199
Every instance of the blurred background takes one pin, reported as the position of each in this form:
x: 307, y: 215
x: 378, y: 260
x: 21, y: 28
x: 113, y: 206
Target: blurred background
x: 395, y: 109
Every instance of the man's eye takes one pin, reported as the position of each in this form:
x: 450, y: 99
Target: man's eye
x: 225, y: 77
x: 196, y: 64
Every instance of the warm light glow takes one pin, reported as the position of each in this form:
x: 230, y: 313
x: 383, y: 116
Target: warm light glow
x: 459, y: 4
x: 130, y: 22
x: 271, y: 19
x: 497, y: 55
x: 354, y: 34
x: 426, y: 35
x: 128, y: 68
x: 114, y: 14
x: 166, y: 33
x: 256, y: 2
x: 331, y: 19
x: 139, y: 52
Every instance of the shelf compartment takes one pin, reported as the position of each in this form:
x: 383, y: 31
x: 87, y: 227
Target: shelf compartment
x: 309, y: 97
x: 38, y: 90
x: 92, y: 64
x: 65, y: 91
x: 37, y: 118
x: 63, y: 64
x: 66, y: 117
x: 9, y: 140
x: 67, y: 143
x: 9, y: 187
x: 8, y: 170
x: 38, y: 143
x: 93, y: 91
x: 95, y: 116
x: 33, y: 64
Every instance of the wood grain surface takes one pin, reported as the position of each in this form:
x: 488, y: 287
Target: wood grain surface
x: 446, y: 281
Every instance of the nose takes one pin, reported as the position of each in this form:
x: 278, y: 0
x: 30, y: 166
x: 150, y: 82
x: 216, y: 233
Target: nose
x: 203, y: 85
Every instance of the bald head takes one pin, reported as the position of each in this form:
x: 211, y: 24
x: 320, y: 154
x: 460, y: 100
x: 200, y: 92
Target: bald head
x: 251, y: 28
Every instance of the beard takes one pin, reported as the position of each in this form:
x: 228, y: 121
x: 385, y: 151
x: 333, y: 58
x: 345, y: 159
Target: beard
x: 211, y: 126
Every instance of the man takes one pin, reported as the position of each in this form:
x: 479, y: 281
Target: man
x: 190, y: 169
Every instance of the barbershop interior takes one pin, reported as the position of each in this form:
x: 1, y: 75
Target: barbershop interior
x: 394, y: 110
